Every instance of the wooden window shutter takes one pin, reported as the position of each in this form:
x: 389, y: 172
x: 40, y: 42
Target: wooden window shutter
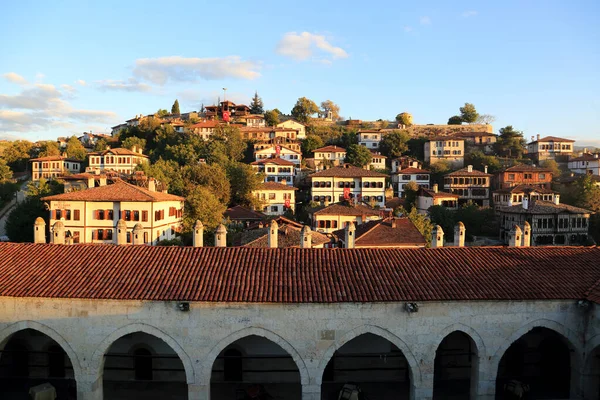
x: 94, y: 235
x: 144, y: 216
x: 162, y: 214
x: 76, y: 215
x: 53, y: 214
x: 123, y: 215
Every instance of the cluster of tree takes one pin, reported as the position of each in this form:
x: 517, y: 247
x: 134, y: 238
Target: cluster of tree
x: 585, y: 194
x: 305, y: 108
x: 468, y: 114
x: 18, y: 152
x: 7, y: 187
x: 479, y: 221
x: 510, y: 143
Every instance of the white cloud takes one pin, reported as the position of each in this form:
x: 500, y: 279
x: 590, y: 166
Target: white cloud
x: 80, y: 82
x: 302, y: 46
x: 39, y: 76
x: 130, y: 85
x: 470, y: 13
x: 408, y: 29
x: 193, y: 99
x: 425, y: 20
x: 190, y: 69
x: 13, y: 77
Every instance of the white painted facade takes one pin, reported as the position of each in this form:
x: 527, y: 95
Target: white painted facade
x: 589, y: 164
x: 402, y: 177
x: 274, y: 200
x: 120, y: 160
x: 52, y: 167
x: 369, y: 139
x: 284, y: 153
x: 331, y: 189
x: 292, y: 124
x: 449, y: 149
x: 330, y: 156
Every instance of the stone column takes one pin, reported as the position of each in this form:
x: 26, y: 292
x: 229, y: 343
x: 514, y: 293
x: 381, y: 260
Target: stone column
x: 486, y: 379
x: 198, y: 392
x: 311, y: 392
x: 89, y: 387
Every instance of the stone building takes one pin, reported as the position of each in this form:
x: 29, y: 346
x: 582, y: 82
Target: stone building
x: 212, y: 323
x: 550, y: 148
x: 369, y: 138
x: 450, y: 149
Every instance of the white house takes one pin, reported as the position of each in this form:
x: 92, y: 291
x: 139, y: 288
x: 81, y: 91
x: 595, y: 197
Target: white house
x: 276, y: 170
x: 433, y: 197
x: 449, y: 149
x: 550, y: 147
x: 405, y: 162
x: 348, y: 182
x: 420, y: 176
x: 53, y: 166
x: 293, y: 124
x: 277, y: 198
x: 283, y: 152
x: 119, y: 160
x: 585, y: 164
x: 91, y: 215
x: 377, y: 161
x: 369, y: 138
x: 329, y: 156
x: 328, y: 218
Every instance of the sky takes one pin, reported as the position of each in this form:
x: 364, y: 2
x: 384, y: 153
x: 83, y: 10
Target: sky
x: 73, y: 66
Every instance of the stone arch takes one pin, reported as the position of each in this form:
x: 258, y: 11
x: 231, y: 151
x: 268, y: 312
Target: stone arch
x: 467, y: 330
x: 51, y: 333
x: 223, y: 343
x: 590, y: 379
x: 415, y: 372
x: 97, y: 361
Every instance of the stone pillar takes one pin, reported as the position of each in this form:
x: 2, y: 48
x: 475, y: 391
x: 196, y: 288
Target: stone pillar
x: 39, y: 230
x: 89, y: 388
x: 350, y: 233
x: 137, y: 234
x: 526, y: 234
x: 198, y: 392
x: 221, y: 236
x: 486, y: 379
x: 198, y: 235
x: 437, y: 239
x: 515, y: 236
x: 58, y: 233
x: 121, y: 232
x: 273, y: 232
x: 306, y: 237
x: 459, y: 234
x: 311, y: 392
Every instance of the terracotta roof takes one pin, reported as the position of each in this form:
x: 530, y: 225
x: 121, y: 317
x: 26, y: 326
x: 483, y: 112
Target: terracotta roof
x: 205, y: 124
x: 525, y: 189
x: 344, y: 209
x: 348, y: 171
x: 291, y: 119
x: 430, y: 193
x: 544, y: 207
x: 252, y: 116
x: 395, y: 202
x: 330, y: 149
x: 382, y: 234
x: 552, y: 139
x: 55, y: 158
x: 266, y: 129
x: 239, y: 213
x: 275, y: 186
x: 526, y: 168
x: 586, y: 157
x: 272, y: 148
x: 465, y: 172
x: 445, y: 138
x: 276, y: 161
x: 288, y: 236
x: 377, y: 154
x: 411, y: 170
x: 118, y: 191
x: 119, y: 151
x: 75, y: 177
x: 295, y: 275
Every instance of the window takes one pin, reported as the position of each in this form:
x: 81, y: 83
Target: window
x: 511, y: 177
x: 76, y: 215
x: 271, y: 196
x: 528, y: 176
x: 407, y: 177
x: 542, y: 176
x: 274, y: 208
x: 136, y: 215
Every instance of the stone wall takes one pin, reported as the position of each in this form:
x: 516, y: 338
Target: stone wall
x: 310, y: 333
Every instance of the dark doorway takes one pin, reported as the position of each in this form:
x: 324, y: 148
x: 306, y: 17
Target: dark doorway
x: 56, y: 362
x: 455, y: 368
x: 232, y: 366
x: 142, y: 363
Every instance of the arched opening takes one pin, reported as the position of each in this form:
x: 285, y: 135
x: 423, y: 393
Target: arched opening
x: 143, y: 366
x: 456, y: 366
x: 371, y: 362
x: 591, y: 383
x: 254, y: 365
x: 536, y: 366
x: 31, y: 358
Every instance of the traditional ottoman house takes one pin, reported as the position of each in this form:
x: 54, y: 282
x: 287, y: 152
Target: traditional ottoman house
x: 515, y: 195
x: 329, y: 156
x: 391, y: 233
x: 448, y: 148
x: 411, y: 174
x: 278, y: 151
x: 405, y: 162
x: 276, y: 198
x: 470, y: 185
x: 276, y: 170
x: 331, y: 217
x: 550, y: 148
x: 585, y: 164
x: 427, y: 198
x: 483, y: 141
x: 119, y: 160
x: 377, y: 161
x: 295, y: 125
x: 525, y: 175
x: 137, y: 322
x: 369, y: 138
x: 54, y: 166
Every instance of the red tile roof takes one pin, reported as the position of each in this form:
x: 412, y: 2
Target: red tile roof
x: 119, y: 151
x: 118, y: 191
x: 552, y: 139
x: 239, y: 213
x: 526, y: 168
x: 586, y: 157
x: 275, y: 186
x: 411, y: 170
x: 296, y: 275
x: 544, y: 207
x: 55, y: 158
x: 276, y: 160
x: 330, y: 149
x: 430, y: 193
x: 465, y: 172
x: 347, y: 171
x: 383, y: 234
x: 344, y: 209
x: 525, y: 189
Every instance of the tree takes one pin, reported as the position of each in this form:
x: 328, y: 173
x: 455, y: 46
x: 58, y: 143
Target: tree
x: 328, y: 106
x: 17, y: 154
x: 455, y: 120
x: 212, y: 176
x: 479, y: 160
x: 404, y: 118
x: 100, y: 145
x: 132, y: 141
x: 49, y: 148
x: 5, y: 171
x: 304, y: 109
x: 468, y: 113
x: 244, y: 180
x: 175, y: 108
x: 485, y: 119
x: 510, y: 143
x: 311, y: 143
x: 164, y: 171
x: 162, y: 112
x: 421, y: 222
x: 202, y: 204
x: 75, y: 149
x: 394, y: 144
x: 256, y: 105
x: 410, y: 194
x: 359, y: 156
x: 272, y: 117
x: 552, y: 166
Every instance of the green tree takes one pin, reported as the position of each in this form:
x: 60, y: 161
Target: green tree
x: 479, y: 160
x: 5, y: 171
x: 404, y: 118
x: 304, y: 109
x: 272, y: 117
x: 421, y: 222
x: 48, y: 148
x: 442, y: 216
x: 256, y: 105
x: 410, y: 194
x: 329, y: 106
x: 468, y: 113
x: 510, y: 143
x: 75, y: 149
x: 455, y: 120
x: 100, y: 145
x: 17, y: 154
x: 309, y: 144
x: 164, y: 171
x: 175, y: 108
x: 393, y: 144
x: 552, y: 166
x: 210, y: 176
x: 162, y: 112
x: 359, y: 156
x: 226, y: 140
x: 132, y: 141
x: 244, y: 180
x: 202, y: 204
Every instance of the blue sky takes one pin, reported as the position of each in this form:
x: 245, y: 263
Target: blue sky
x: 66, y: 67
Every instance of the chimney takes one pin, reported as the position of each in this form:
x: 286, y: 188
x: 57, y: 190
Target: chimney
x: 514, y: 236
x: 437, y: 239
x: 394, y: 224
x: 510, y: 201
x: 134, y: 148
x: 459, y: 234
x: 557, y: 199
x: 525, y: 203
x: 435, y: 188
x: 121, y: 235
x: 91, y: 182
x: 39, y: 230
x: 138, y: 234
x: 349, y: 235
x: 526, y: 234
x: 306, y: 237
x: 469, y: 168
x: 538, y: 136
x: 152, y: 184
x: 58, y: 233
x: 102, y: 180
x: 485, y: 167
x: 198, y: 235
x: 221, y: 236
x: 273, y: 232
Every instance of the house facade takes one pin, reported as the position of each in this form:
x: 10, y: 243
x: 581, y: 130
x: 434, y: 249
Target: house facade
x: 119, y: 160
x: 348, y: 182
x: 276, y: 170
x: 525, y: 175
x: 405, y: 162
x: 470, y: 185
x: 550, y: 148
x: 399, y: 179
x: 369, y: 138
x: 329, y: 156
x: 517, y: 194
x: 277, y: 198
x: 54, y: 166
x: 377, y: 161
x: 450, y: 149
x: 427, y: 198
x: 331, y: 217
x: 483, y: 141
x: 279, y: 151
x: 91, y: 216
x: 585, y: 164
x: 295, y: 125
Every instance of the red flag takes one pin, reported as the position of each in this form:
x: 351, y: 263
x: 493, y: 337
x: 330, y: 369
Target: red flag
x: 346, y: 193
x: 226, y: 116
x: 277, y: 150
x: 287, y: 203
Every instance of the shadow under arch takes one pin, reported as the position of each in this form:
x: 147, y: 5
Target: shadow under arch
x: 415, y: 372
x: 591, y: 381
x: 7, y: 332
x: 97, y: 361
x: 467, y: 330
x: 254, y: 331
